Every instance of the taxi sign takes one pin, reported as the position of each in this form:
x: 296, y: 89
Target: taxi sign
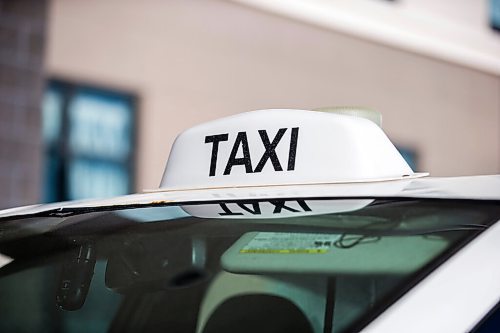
x: 283, y: 147
x: 284, y: 154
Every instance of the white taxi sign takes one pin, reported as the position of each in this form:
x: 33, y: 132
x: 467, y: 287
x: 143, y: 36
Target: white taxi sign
x: 283, y: 154
x: 283, y: 147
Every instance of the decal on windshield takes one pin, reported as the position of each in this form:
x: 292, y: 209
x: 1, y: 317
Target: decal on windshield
x: 289, y: 243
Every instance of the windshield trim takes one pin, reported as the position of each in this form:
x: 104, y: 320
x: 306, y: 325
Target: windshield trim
x: 71, y: 211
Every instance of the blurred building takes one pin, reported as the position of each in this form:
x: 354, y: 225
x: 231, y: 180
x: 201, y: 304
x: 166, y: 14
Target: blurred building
x: 124, y: 77
x: 22, y: 39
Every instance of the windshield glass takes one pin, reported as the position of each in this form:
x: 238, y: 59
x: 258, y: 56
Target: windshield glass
x: 288, y: 265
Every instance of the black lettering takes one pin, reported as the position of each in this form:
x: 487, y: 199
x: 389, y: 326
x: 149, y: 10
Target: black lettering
x: 293, y: 148
x: 227, y: 211
x: 270, y: 152
x: 215, y: 139
x: 254, y: 211
x: 303, y: 205
x: 279, y: 205
x: 241, y: 139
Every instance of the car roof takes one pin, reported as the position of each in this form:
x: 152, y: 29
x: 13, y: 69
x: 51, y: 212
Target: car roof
x: 461, y: 188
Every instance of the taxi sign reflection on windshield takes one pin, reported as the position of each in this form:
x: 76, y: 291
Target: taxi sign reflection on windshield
x: 274, y: 208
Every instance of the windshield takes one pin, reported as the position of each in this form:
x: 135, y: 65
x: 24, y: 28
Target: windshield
x: 234, y: 266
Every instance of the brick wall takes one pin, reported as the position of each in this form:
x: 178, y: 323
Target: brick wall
x: 22, y: 38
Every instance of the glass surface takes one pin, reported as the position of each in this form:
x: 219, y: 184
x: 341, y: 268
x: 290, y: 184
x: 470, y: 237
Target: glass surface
x: 100, y: 125
x: 409, y: 155
x: 495, y: 14
x: 88, y: 135
x: 51, y: 115
x: 160, y: 269
x: 96, y: 179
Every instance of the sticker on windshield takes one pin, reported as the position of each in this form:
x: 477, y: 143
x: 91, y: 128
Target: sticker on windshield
x: 289, y: 243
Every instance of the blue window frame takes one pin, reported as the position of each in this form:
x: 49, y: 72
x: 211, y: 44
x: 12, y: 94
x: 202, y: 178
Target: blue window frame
x: 410, y: 156
x: 89, y: 138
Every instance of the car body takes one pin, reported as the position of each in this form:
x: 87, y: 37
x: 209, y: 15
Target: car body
x: 270, y: 221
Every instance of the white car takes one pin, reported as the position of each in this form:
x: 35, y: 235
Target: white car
x: 268, y: 221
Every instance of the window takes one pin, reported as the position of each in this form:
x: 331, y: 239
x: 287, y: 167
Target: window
x: 157, y: 268
x: 495, y: 14
x: 88, y: 135
x: 410, y: 156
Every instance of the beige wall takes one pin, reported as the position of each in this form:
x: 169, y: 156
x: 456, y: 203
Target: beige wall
x: 191, y: 61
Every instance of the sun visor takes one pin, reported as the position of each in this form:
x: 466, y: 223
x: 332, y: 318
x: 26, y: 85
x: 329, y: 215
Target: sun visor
x: 278, y: 252
x: 282, y: 147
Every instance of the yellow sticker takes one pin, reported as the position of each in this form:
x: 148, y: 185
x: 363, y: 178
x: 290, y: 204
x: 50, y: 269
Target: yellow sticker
x: 284, y: 251
x: 289, y: 243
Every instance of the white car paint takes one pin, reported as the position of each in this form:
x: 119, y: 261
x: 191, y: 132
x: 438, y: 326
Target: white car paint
x: 454, y: 297
x: 470, y: 188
